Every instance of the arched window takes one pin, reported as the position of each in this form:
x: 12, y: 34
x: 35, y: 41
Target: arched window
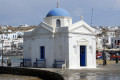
x: 58, y: 23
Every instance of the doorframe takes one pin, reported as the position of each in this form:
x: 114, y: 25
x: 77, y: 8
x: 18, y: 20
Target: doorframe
x: 83, y: 42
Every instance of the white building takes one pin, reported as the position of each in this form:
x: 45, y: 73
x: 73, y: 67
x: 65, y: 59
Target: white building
x: 112, y: 41
x: 115, y: 43
x: 3, y: 26
x: 23, y: 25
x: 13, y: 35
x: 58, y: 38
x: 99, y: 43
x: 111, y: 28
x: 10, y: 39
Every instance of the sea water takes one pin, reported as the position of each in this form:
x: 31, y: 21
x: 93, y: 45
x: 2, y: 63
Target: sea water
x: 17, y: 77
x: 15, y: 60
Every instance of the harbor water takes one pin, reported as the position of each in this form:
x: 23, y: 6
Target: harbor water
x: 17, y: 77
x: 15, y: 60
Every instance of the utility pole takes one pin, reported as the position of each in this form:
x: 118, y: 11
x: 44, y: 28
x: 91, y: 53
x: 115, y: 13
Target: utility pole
x: 91, y: 16
x: 2, y: 41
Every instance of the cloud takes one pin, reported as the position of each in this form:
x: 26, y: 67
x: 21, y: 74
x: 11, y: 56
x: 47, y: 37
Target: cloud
x: 77, y: 12
x: 116, y: 4
x: 29, y: 11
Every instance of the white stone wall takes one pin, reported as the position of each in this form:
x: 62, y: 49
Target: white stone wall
x: 55, y: 48
x: 32, y: 49
x: 61, y: 47
x: 65, y: 21
x: 74, y: 51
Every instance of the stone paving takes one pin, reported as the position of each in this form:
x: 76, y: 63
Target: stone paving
x: 113, y: 66
x: 108, y: 72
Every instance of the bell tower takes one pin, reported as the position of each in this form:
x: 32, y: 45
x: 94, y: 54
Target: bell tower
x: 58, y: 17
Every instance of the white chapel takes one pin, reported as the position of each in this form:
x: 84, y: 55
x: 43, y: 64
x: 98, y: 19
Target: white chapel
x: 57, y: 38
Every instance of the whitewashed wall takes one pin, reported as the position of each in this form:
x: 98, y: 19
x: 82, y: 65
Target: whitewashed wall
x: 74, y: 51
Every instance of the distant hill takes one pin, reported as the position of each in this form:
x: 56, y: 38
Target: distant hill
x: 14, y: 29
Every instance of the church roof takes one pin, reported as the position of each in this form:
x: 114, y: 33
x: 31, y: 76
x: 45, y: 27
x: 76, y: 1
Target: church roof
x: 58, y: 12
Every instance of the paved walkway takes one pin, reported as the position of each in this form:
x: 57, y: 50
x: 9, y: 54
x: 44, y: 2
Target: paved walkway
x: 108, y: 72
x: 113, y: 66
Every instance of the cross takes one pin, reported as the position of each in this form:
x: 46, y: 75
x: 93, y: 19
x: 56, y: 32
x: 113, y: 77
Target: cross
x: 57, y: 4
x: 81, y: 17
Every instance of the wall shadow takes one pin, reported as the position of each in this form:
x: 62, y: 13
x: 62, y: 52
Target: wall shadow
x: 45, y: 75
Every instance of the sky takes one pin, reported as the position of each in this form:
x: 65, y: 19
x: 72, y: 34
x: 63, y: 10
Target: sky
x: 32, y: 12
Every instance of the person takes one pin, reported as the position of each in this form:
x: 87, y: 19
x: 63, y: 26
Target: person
x: 107, y: 55
x: 117, y: 58
x: 117, y: 54
x: 104, y: 58
x: 8, y: 62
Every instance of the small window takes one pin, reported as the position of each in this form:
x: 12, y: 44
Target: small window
x: 82, y: 51
x: 42, y: 52
x: 58, y: 23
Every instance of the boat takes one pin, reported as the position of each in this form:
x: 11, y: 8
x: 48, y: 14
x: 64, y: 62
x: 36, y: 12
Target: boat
x: 4, y: 58
x: 113, y: 57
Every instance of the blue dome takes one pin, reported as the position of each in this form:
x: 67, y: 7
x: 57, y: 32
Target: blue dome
x: 58, y: 12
